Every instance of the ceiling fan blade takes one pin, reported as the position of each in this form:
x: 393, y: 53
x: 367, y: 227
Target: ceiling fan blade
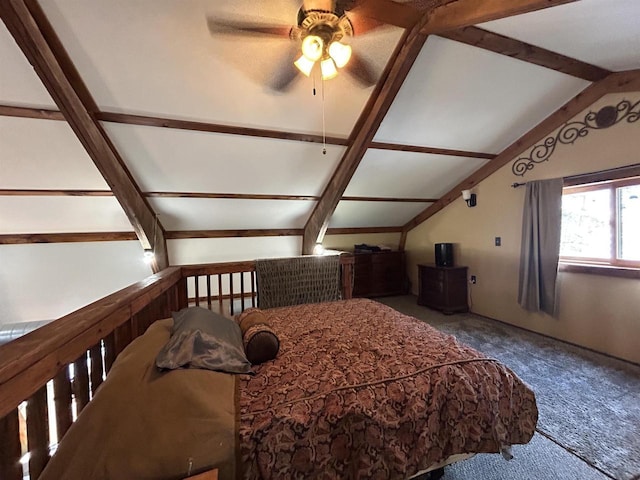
x: 227, y: 26
x: 286, y: 72
x: 387, y: 11
x: 361, y: 70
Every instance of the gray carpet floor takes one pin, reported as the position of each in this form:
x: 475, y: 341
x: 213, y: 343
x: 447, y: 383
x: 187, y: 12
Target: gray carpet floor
x: 589, y: 404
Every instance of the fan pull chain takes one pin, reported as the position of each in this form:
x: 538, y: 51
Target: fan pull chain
x: 324, y: 133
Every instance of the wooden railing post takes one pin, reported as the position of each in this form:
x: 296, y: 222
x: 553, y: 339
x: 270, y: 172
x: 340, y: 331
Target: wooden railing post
x: 347, y: 261
x: 109, y: 351
x: 253, y: 289
x: 122, y: 337
x: 96, y: 367
x: 62, y: 399
x: 183, y: 299
x: 81, y: 382
x: 38, y: 432
x: 220, y: 297
x: 10, y: 466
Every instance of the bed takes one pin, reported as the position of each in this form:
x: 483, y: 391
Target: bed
x: 358, y: 390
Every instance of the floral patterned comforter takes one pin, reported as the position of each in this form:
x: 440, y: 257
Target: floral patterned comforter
x: 359, y: 390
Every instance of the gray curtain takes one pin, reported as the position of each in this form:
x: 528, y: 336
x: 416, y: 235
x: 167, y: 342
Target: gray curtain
x: 540, y: 245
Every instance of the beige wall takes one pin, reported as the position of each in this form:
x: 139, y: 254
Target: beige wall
x: 598, y: 312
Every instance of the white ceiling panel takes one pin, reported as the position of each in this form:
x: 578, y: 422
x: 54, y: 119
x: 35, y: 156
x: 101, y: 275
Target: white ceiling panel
x: 44, y: 154
x: 164, y: 61
x: 601, y: 32
x: 62, y: 215
x: 19, y: 84
x: 374, y: 214
x: 162, y: 159
x: 465, y: 98
x: 387, y: 173
x: 209, y: 250
x: 230, y: 214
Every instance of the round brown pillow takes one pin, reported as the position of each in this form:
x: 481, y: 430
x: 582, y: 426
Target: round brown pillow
x: 251, y: 317
x: 261, y: 344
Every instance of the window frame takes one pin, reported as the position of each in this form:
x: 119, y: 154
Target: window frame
x: 613, y: 262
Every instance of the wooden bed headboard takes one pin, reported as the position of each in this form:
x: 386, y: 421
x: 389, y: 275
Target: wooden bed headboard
x: 36, y: 369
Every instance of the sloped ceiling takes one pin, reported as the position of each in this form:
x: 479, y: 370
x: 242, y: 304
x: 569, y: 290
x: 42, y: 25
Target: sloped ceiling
x: 213, y: 152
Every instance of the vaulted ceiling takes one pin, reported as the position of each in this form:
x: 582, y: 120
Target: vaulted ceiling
x: 136, y: 121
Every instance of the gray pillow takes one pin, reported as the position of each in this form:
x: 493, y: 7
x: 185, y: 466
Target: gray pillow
x: 203, y: 339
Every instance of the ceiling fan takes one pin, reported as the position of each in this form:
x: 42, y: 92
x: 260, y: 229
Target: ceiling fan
x: 321, y: 36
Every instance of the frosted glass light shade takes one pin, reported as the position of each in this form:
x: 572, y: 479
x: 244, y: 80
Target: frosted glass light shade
x: 312, y: 47
x: 328, y: 69
x: 340, y: 53
x: 149, y: 256
x: 304, y: 65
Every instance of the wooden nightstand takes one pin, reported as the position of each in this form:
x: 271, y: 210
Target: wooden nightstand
x: 443, y: 288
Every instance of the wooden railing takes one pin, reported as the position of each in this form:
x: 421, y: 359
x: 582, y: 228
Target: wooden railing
x: 220, y: 286
x: 51, y: 374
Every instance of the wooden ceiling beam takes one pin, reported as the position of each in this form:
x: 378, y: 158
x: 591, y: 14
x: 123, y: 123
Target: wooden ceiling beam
x: 388, y: 12
x: 271, y: 232
x: 22, y: 238
x: 463, y: 13
x: 623, y: 82
x: 361, y: 230
x: 34, y: 35
x: 388, y: 199
x: 493, y: 42
x: 148, y: 121
x: 430, y: 150
x: 16, y: 192
x: 127, y: 119
x: 25, y: 112
x: 363, y: 132
x: 31, y: 238
x: 279, y: 232
x: 614, y: 83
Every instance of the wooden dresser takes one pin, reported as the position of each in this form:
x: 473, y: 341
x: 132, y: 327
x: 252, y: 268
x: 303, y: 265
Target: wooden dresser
x: 379, y: 273
x: 443, y: 288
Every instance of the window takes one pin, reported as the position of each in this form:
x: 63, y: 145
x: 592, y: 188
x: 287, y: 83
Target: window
x: 601, y: 223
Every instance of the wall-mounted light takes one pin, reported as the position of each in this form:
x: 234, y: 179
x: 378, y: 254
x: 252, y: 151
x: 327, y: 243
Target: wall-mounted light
x: 148, y: 256
x: 469, y: 197
x: 149, y: 253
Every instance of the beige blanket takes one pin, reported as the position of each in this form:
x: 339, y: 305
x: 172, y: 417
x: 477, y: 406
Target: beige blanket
x: 194, y: 420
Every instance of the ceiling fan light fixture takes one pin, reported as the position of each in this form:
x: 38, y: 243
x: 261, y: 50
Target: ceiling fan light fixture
x: 328, y: 68
x: 312, y: 47
x: 304, y: 65
x: 340, y: 53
